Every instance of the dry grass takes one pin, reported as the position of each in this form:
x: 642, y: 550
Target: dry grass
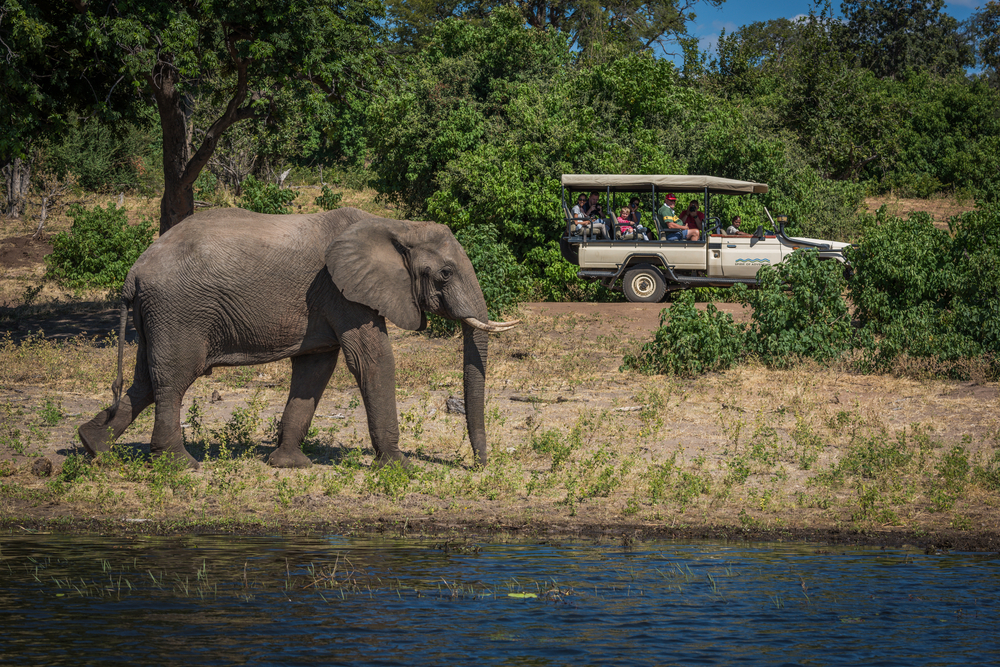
x: 589, y: 445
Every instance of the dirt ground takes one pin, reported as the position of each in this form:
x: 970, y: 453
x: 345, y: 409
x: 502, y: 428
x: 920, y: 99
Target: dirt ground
x: 940, y: 208
x: 578, y: 447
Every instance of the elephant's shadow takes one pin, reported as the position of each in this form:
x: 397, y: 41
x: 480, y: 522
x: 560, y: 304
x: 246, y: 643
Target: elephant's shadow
x: 320, y: 453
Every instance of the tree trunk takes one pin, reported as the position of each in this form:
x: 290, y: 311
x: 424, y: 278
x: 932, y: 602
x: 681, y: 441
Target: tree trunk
x: 180, y: 167
x: 178, y: 195
x: 17, y: 178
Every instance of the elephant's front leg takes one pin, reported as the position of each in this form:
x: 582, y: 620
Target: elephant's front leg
x: 310, y: 375
x: 368, y: 353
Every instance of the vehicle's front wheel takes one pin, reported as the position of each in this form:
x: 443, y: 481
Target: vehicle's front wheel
x: 644, y: 284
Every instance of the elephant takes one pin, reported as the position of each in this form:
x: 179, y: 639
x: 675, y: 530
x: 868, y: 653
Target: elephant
x: 229, y: 287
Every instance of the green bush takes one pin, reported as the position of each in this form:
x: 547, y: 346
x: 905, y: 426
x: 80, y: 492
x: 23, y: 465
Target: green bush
x: 926, y: 294
x: 265, y: 197
x: 103, y: 156
x: 329, y: 200
x: 99, y: 248
x: 798, y: 311
x: 689, y: 341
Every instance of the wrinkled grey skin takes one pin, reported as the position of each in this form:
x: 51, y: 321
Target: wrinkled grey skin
x: 232, y: 288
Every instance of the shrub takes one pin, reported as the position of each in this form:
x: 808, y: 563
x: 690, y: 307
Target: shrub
x: 99, y: 248
x: 265, y: 197
x: 898, y: 264
x: 689, y: 341
x: 798, y: 310
x: 927, y: 294
x: 329, y: 200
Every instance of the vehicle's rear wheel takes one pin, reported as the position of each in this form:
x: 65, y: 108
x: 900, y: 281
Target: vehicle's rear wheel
x: 644, y: 284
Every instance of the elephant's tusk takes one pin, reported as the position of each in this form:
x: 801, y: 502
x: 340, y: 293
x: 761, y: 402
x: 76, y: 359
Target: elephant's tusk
x: 492, y: 327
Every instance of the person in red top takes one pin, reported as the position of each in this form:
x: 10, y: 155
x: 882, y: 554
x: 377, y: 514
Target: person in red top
x: 693, y: 219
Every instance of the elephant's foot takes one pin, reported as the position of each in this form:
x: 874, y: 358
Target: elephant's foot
x: 382, y: 460
x: 289, y: 457
x: 179, y: 453
x: 96, y: 435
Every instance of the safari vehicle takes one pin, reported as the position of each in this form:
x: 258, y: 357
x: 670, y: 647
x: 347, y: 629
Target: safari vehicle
x: 649, y: 269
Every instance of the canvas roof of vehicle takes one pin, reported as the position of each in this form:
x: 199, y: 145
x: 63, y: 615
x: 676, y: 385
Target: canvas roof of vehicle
x: 663, y: 183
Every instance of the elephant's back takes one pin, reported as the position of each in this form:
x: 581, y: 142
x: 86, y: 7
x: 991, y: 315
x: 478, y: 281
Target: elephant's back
x: 238, y: 245
x: 241, y: 277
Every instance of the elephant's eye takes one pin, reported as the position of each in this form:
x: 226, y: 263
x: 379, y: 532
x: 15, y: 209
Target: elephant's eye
x: 445, y: 274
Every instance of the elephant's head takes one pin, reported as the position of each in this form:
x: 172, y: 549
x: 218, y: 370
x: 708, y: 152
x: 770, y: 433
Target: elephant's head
x: 404, y: 270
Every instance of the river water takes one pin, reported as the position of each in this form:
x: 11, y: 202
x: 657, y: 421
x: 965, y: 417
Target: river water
x: 302, y: 601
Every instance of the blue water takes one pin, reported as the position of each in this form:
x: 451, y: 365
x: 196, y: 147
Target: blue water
x: 303, y: 601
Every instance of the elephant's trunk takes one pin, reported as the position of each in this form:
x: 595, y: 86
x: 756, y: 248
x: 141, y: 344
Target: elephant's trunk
x: 476, y: 344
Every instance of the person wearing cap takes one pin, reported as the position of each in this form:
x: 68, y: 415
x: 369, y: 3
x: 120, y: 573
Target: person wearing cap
x: 734, y: 228
x: 674, y: 230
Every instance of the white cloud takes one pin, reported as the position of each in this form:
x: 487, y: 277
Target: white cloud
x: 708, y: 42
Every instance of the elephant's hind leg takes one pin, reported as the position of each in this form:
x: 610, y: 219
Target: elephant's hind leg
x: 99, y: 433
x: 167, y: 439
x: 310, y: 375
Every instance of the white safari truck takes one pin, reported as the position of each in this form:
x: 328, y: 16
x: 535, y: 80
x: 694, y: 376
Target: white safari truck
x: 648, y: 269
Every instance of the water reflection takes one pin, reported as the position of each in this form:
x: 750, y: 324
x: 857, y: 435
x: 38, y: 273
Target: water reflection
x: 237, y: 600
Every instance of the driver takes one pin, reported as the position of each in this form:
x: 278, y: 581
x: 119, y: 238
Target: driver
x: 734, y: 228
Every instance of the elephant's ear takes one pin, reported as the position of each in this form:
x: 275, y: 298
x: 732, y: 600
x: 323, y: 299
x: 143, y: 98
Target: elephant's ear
x: 369, y: 263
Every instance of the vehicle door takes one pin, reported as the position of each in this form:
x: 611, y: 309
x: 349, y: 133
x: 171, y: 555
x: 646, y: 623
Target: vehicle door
x: 742, y: 256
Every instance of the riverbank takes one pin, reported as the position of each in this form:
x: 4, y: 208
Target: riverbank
x: 578, y: 448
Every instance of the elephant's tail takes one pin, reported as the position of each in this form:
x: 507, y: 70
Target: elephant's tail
x: 116, y: 386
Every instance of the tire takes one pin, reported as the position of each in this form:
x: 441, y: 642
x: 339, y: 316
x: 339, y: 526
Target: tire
x: 644, y: 284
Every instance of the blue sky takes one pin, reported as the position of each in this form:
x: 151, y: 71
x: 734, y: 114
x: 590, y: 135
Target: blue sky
x: 736, y: 13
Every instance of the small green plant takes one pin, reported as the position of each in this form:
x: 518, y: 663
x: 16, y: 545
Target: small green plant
x: 553, y: 442
x: 74, y: 468
x: 10, y: 436
x: 242, y: 425
x: 329, y: 200
x: 196, y: 419
x: 99, y: 248
x: 265, y: 197
x: 51, y: 413
x: 391, y: 480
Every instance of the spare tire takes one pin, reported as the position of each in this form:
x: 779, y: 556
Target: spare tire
x: 644, y: 284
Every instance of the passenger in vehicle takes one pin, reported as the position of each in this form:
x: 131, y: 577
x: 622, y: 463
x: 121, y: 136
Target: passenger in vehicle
x: 693, y: 219
x: 734, y: 228
x: 636, y: 218
x: 673, y: 230
x: 626, y: 227
x: 594, y: 209
x: 582, y: 221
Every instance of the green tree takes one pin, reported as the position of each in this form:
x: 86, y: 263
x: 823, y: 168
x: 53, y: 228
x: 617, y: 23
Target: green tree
x: 890, y: 37
x: 591, y: 25
x: 258, y: 61
x: 985, y: 28
x: 27, y: 105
